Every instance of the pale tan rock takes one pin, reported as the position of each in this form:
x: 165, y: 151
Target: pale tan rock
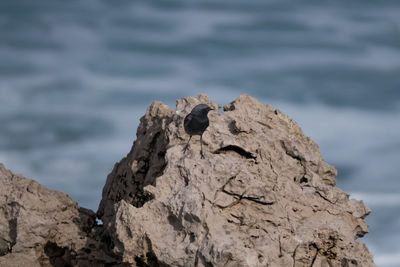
x: 41, y: 227
x: 262, y: 196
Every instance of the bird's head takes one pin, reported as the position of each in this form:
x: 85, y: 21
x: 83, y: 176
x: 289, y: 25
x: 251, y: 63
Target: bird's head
x: 201, y: 109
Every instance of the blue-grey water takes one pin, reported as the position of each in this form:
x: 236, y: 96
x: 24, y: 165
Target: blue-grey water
x: 75, y: 77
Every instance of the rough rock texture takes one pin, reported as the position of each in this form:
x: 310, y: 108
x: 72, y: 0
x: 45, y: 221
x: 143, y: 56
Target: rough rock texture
x: 40, y: 227
x: 263, y: 196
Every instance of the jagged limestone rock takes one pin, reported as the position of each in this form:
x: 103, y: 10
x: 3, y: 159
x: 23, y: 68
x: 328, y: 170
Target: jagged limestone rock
x: 262, y: 196
x: 41, y: 227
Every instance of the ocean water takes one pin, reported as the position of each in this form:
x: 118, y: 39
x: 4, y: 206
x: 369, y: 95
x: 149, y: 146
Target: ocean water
x: 76, y: 76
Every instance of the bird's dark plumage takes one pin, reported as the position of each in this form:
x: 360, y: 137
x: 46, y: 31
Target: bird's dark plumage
x: 196, y: 122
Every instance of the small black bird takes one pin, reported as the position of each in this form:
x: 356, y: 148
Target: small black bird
x: 195, y: 123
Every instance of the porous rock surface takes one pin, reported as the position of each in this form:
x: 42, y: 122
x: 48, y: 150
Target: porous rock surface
x: 41, y: 227
x: 263, y: 196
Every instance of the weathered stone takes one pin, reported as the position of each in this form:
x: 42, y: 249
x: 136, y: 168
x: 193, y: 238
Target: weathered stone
x: 41, y: 227
x: 262, y: 196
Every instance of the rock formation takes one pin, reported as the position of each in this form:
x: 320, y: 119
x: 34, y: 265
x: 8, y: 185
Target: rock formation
x: 262, y: 196
x: 40, y: 227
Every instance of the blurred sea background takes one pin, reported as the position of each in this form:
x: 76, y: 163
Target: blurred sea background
x: 76, y: 76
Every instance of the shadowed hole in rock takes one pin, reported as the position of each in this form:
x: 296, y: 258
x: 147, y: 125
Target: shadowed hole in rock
x: 12, y: 225
x: 140, y: 262
x: 192, y: 237
x: 59, y: 256
x: 175, y: 222
x: 142, y: 197
x: 303, y: 180
x: 5, y: 247
x: 149, y: 259
x: 236, y: 149
x: 107, y: 240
